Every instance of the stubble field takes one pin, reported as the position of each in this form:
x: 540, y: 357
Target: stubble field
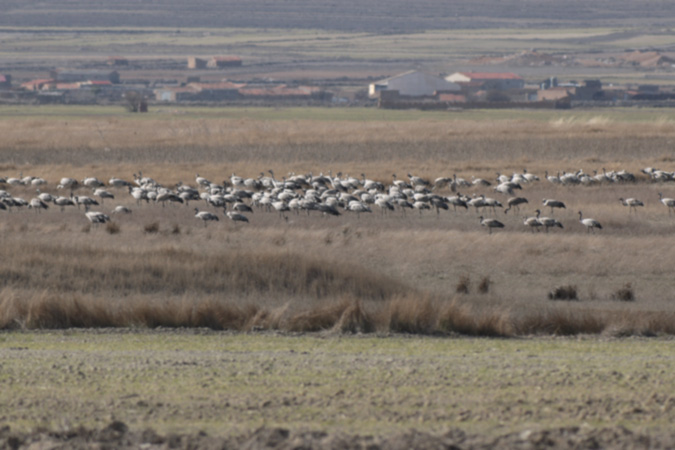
x: 421, y: 274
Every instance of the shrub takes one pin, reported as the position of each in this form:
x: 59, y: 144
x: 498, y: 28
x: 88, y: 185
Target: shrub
x: 568, y: 292
x: 484, y: 285
x: 625, y: 294
x: 463, y: 285
x: 151, y: 227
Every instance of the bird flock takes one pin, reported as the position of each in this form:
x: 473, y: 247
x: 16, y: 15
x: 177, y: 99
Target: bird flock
x: 327, y: 195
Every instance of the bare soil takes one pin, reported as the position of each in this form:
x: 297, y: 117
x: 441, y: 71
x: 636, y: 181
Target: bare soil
x: 117, y: 435
x: 204, y: 389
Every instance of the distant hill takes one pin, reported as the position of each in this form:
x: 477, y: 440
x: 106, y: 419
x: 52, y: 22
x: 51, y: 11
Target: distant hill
x: 352, y: 15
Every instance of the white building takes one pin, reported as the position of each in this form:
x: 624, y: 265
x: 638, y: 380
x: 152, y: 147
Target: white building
x: 413, y: 84
x: 488, y: 80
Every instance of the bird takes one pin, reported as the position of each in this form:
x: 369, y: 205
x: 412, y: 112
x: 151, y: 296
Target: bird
x: 553, y: 204
x: 490, y: 224
x: 548, y: 222
x: 589, y: 223
x: 103, y: 194
x: 96, y: 217
x: 632, y: 204
x: 201, y: 181
x: 669, y: 202
x: 533, y: 222
x: 83, y: 200
x: 358, y: 208
x: 205, y: 216
x: 37, y: 204
x: 62, y: 202
x: 118, y: 182
x: 241, y: 207
x: 236, y: 217
x: 92, y: 182
x: 121, y: 210
x: 515, y: 202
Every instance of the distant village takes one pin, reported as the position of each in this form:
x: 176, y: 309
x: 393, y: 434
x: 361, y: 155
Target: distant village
x: 412, y: 89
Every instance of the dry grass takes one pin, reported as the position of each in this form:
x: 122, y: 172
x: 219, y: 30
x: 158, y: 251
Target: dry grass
x: 176, y: 148
x: 393, y: 273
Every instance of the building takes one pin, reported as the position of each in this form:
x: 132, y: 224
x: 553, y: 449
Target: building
x: 486, y: 81
x: 38, y: 85
x: 196, y: 63
x: 590, y: 91
x: 73, y: 76
x: 555, y: 93
x: 412, y: 84
x: 199, y: 92
x: 5, y: 81
x: 219, y: 62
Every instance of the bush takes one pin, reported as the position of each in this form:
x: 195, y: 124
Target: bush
x: 151, y: 227
x: 564, y: 293
x: 463, y: 285
x: 625, y: 294
x: 484, y: 285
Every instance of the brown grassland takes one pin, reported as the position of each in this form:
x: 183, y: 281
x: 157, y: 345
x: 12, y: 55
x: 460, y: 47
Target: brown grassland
x: 375, y: 273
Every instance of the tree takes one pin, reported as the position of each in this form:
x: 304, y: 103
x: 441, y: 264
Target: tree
x: 135, y: 102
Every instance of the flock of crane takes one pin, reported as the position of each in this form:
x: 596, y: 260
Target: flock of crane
x: 326, y: 194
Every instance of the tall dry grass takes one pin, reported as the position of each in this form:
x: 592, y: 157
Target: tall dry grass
x: 411, y: 315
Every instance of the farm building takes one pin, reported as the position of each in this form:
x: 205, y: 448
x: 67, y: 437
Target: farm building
x: 5, y: 81
x: 38, y: 85
x: 218, y: 62
x: 72, y: 76
x: 413, y: 84
x: 196, y: 63
x: 555, y: 93
x: 488, y: 80
x: 207, y: 92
